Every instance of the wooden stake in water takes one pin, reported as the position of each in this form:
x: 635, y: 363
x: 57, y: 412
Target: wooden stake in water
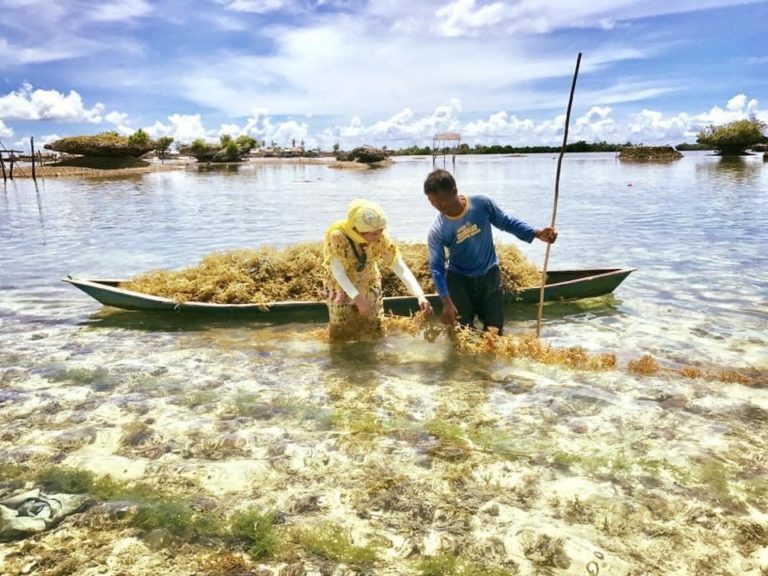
x: 32, y: 147
x: 557, y: 193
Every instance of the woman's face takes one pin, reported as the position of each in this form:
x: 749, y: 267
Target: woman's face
x: 373, y: 236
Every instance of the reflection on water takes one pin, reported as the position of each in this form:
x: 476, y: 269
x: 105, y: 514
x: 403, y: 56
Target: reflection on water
x: 189, y: 321
x: 218, y: 168
x: 404, y: 441
x: 737, y: 173
x: 739, y: 168
x: 139, y: 320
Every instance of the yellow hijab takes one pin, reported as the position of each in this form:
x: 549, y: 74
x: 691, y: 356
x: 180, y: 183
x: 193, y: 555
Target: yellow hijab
x: 362, y: 216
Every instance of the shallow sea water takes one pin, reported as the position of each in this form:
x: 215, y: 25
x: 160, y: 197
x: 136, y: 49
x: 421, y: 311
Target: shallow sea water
x: 508, y: 464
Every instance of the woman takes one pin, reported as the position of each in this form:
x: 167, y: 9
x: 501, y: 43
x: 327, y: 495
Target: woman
x: 352, y: 250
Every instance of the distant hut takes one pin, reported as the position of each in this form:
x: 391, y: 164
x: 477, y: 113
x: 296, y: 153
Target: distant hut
x: 446, y: 143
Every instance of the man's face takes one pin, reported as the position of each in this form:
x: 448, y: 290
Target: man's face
x: 444, y: 202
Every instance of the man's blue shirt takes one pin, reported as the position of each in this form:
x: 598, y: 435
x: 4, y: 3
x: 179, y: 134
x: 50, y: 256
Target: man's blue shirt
x: 469, y: 240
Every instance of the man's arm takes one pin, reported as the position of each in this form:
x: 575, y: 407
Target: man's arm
x: 507, y: 223
x: 437, y: 262
x: 437, y: 265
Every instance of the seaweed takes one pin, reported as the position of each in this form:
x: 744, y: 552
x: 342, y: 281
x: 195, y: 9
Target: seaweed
x: 268, y: 274
x: 257, y: 531
x: 452, y: 565
x: 333, y: 542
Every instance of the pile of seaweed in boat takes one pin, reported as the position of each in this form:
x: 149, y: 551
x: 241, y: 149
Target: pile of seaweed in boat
x: 268, y: 274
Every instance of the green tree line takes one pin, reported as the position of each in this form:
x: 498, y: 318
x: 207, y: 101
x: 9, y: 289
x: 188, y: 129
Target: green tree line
x: 579, y: 146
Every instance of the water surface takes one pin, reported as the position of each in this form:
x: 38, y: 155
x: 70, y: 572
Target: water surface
x: 266, y: 414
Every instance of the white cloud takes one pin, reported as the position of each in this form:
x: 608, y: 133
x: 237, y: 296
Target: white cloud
x: 124, y: 130
x: 528, y: 17
x: 230, y: 130
x: 649, y: 126
x: 260, y: 127
x: 497, y: 128
x: 29, y: 104
x: 117, y: 10
x: 737, y: 108
x: 183, y: 128
x: 291, y: 133
x: 47, y: 139
x: 45, y: 51
x: 257, y: 6
x: 595, y: 126
x: 116, y: 118
x: 5, y: 131
x: 407, y: 128
x: 228, y: 23
x: 40, y: 31
x: 340, y: 67
x: 402, y: 129
x: 462, y: 17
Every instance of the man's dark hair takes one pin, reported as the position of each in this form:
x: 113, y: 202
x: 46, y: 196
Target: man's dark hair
x: 439, y: 181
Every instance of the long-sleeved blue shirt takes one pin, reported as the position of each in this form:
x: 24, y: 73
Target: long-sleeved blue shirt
x: 469, y: 240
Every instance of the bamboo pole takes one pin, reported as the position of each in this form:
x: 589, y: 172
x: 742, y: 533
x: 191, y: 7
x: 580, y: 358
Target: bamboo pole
x: 557, y: 194
x: 32, y: 146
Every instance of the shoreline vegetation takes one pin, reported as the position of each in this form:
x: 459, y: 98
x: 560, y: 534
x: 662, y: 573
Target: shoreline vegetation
x: 112, y: 154
x: 90, y: 167
x: 74, y: 169
x: 108, y: 152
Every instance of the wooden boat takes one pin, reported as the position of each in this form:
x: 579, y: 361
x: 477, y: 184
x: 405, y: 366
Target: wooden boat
x: 562, y: 285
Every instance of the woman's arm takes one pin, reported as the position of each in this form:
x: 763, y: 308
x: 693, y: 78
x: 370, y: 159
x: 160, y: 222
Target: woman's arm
x: 340, y: 275
x: 358, y: 300
x: 401, y: 270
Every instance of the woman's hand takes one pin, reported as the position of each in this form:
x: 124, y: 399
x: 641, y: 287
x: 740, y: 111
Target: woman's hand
x: 362, y: 305
x: 425, y: 306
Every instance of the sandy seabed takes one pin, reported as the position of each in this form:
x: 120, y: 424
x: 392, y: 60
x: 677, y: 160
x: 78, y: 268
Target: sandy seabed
x: 512, y: 471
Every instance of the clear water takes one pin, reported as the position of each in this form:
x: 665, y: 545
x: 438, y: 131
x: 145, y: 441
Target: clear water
x: 695, y: 230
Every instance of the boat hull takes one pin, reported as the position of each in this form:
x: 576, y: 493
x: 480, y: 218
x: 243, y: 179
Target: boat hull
x: 562, y: 285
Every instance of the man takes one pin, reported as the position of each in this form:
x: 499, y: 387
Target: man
x: 471, y: 286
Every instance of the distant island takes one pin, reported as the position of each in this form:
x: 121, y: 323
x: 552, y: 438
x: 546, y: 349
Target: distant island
x: 650, y: 153
x: 112, y: 152
x: 580, y: 146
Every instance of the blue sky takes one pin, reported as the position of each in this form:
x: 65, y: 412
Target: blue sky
x: 384, y: 72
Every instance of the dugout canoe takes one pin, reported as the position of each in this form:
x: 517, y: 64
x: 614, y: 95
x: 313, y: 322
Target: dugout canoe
x: 562, y: 285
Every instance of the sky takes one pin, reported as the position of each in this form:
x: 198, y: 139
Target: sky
x: 383, y: 72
